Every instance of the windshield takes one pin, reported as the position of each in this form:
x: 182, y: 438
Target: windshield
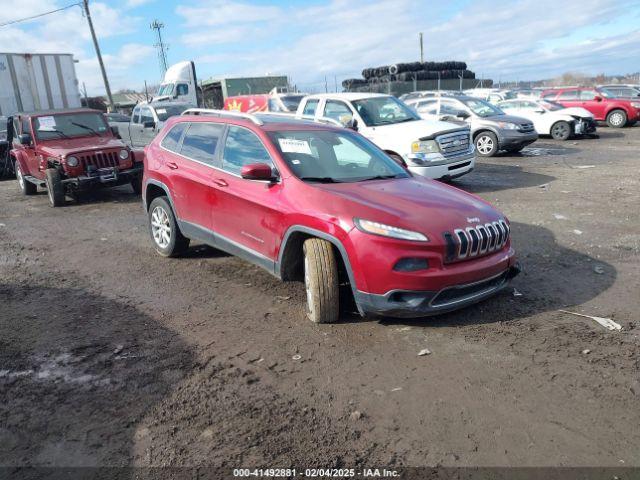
x: 166, y: 89
x: 551, y: 106
x: 291, y: 102
x: 482, y: 108
x: 170, y: 111
x: 324, y: 156
x: 71, y: 125
x: 378, y: 111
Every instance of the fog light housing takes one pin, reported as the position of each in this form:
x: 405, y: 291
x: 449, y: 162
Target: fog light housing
x: 411, y: 264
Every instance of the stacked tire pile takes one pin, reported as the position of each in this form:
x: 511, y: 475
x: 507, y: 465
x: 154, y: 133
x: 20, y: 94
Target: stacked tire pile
x: 406, y: 72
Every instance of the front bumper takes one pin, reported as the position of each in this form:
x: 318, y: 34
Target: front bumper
x: 107, y: 177
x: 585, y: 126
x: 415, y: 304
x: 447, y: 169
x: 513, y: 138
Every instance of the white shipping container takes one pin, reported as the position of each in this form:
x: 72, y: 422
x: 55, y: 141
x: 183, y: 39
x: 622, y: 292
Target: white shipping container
x: 30, y: 82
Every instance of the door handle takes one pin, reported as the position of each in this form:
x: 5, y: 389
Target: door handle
x: 220, y: 182
x: 172, y: 165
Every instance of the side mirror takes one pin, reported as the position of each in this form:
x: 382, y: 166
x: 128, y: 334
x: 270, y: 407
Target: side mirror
x: 348, y: 121
x: 24, y: 139
x: 151, y: 124
x: 539, y: 110
x: 115, y: 131
x: 462, y: 114
x: 257, y: 171
x: 597, y: 98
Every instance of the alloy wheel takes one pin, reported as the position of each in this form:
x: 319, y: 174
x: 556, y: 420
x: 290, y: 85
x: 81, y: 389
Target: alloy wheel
x: 160, y: 227
x: 616, y: 119
x: 559, y: 130
x: 484, y: 145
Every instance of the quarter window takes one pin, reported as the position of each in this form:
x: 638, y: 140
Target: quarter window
x: 243, y: 147
x: 200, y: 142
x: 310, y: 107
x: 171, y: 140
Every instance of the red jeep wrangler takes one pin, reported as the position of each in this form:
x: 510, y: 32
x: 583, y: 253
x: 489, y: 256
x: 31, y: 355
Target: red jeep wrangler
x: 68, y: 151
x: 314, y: 202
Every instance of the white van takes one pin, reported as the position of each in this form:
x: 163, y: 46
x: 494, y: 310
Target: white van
x: 428, y: 148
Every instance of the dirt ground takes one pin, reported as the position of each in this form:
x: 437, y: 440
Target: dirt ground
x: 112, y: 355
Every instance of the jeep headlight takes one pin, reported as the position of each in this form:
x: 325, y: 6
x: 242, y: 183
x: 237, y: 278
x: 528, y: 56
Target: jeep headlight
x: 124, y: 154
x: 425, y: 146
x: 508, y: 125
x: 72, y: 161
x: 383, y: 230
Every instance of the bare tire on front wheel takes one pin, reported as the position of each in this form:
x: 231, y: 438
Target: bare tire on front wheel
x: 321, y: 281
x: 55, y: 189
x: 25, y: 185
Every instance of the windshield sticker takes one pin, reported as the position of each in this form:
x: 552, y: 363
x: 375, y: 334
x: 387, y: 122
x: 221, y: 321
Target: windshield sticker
x: 289, y: 145
x: 161, y: 110
x: 46, y: 123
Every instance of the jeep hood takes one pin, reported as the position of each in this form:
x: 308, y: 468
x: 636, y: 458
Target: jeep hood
x: 413, y: 203
x: 408, y: 132
x: 70, y: 146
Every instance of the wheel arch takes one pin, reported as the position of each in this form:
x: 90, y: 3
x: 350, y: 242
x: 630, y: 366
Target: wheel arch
x: 153, y: 189
x: 290, y: 257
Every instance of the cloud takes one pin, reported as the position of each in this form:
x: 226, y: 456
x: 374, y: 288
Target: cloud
x: 215, y: 37
x: 220, y: 12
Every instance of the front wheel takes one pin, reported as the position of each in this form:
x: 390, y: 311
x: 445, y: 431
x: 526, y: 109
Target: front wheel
x: 321, y: 281
x: 561, y: 130
x: 166, y: 235
x: 486, y: 144
x: 55, y: 189
x: 617, y: 118
x: 26, y: 186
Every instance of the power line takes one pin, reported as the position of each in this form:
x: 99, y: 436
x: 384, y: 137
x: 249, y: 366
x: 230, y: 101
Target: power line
x: 33, y: 17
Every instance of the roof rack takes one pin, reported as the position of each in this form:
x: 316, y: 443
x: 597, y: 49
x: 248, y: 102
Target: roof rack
x: 223, y: 113
x: 309, y: 118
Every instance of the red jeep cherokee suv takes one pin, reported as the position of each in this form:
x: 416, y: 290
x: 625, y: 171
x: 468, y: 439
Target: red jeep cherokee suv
x: 314, y: 202
x: 617, y: 112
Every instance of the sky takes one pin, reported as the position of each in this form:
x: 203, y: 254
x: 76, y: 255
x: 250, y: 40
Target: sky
x: 308, y: 40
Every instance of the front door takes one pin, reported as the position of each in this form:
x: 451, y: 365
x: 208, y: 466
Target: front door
x: 246, y: 215
x: 32, y: 159
x: 592, y: 101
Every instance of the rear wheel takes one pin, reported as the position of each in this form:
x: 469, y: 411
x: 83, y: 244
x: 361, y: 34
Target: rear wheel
x: 561, y: 130
x: 617, y: 118
x: 26, y: 186
x: 321, y: 281
x: 55, y: 189
x: 166, y: 236
x: 486, y: 144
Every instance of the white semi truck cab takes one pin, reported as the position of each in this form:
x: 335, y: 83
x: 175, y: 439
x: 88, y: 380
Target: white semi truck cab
x: 179, y: 84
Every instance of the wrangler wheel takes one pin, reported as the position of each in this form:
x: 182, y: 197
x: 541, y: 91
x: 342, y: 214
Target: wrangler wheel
x: 26, y: 186
x: 166, y: 236
x: 321, y: 281
x: 55, y: 189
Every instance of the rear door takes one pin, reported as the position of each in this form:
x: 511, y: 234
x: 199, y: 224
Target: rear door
x: 192, y: 155
x: 246, y: 213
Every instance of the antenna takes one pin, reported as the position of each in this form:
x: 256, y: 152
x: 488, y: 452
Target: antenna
x: 161, y: 46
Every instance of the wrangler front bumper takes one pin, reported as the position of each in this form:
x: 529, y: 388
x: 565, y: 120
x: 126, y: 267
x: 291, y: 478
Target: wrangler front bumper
x: 106, y: 177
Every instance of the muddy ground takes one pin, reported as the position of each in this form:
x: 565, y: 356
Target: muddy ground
x: 112, y: 355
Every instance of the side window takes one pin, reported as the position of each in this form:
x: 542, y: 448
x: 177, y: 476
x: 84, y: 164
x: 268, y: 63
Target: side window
x: 200, y: 142
x: 508, y: 106
x: 310, y: 107
x: 449, y: 108
x: 569, y: 95
x: 171, y: 140
x: 429, y: 107
x: 182, y: 89
x: 334, y: 109
x: 135, y: 116
x: 26, y: 128
x: 243, y: 147
x: 529, y: 105
x: 145, y: 115
x: 587, y: 95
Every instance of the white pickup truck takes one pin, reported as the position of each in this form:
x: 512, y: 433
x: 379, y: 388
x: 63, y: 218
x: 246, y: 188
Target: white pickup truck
x: 433, y: 149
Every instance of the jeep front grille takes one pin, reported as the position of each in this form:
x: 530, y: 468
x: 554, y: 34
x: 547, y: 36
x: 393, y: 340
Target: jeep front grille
x: 452, y: 144
x: 473, y: 242
x: 99, y: 160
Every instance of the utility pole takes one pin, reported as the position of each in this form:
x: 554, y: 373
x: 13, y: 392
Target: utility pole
x: 85, y: 4
x: 86, y: 99
x: 421, y: 49
x: 161, y: 46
